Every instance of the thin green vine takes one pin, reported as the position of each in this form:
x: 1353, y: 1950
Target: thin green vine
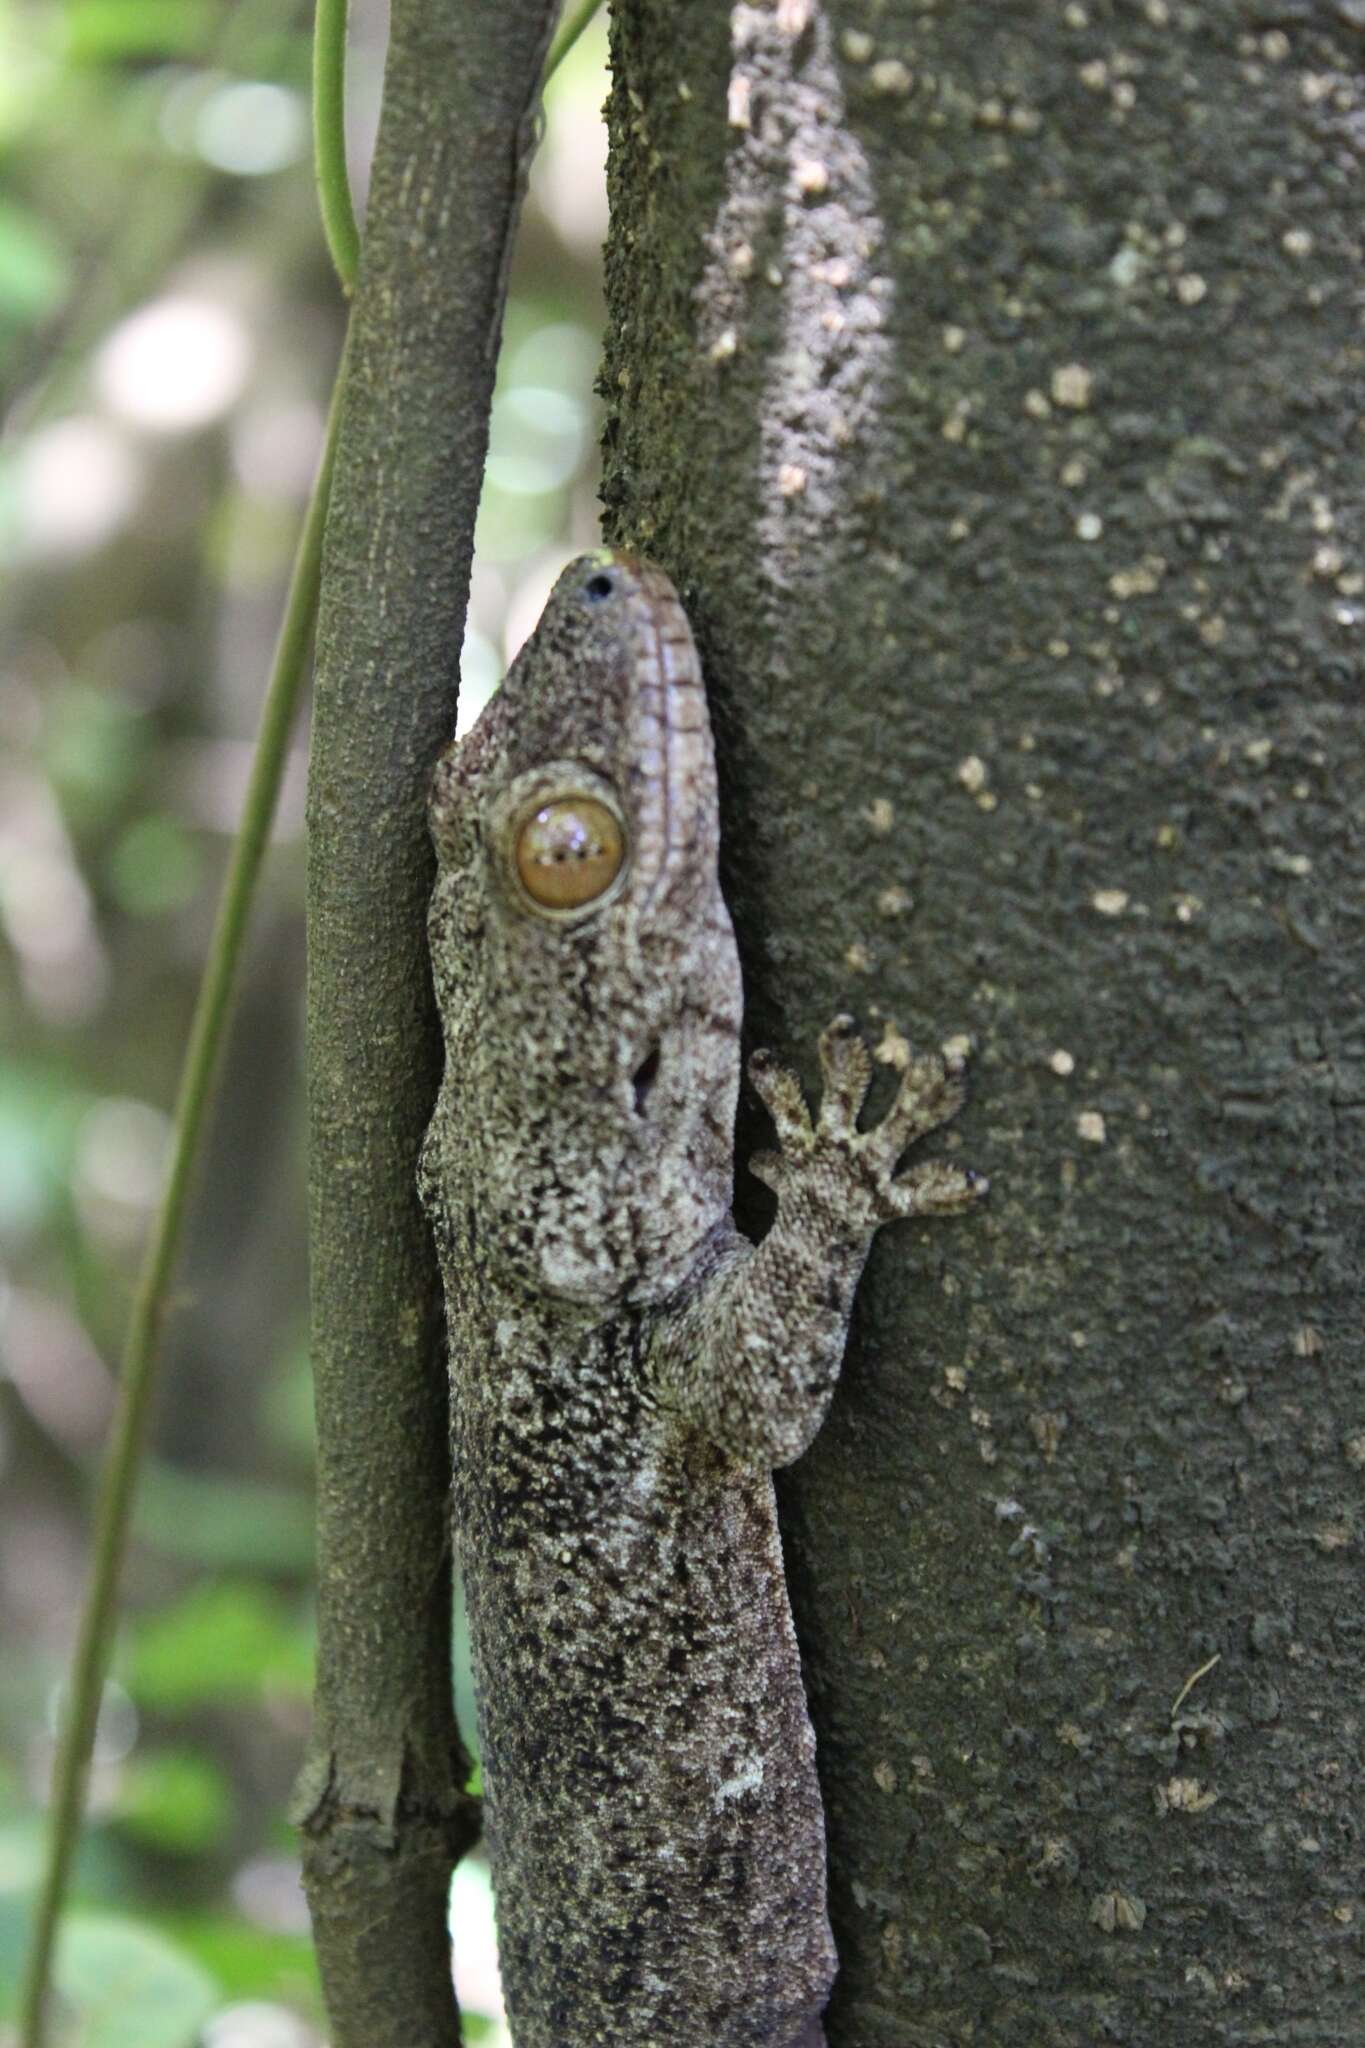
x: 567, y: 34
x: 140, y: 1351
x: 329, y: 140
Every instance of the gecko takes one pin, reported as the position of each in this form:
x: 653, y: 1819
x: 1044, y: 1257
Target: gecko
x: 627, y: 1369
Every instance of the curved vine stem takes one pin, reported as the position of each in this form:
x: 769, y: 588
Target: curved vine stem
x: 329, y: 140
x: 137, y: 1378
x: 567, y: 34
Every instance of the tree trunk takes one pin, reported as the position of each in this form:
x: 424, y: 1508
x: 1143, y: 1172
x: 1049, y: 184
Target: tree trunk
x: 987, y: 380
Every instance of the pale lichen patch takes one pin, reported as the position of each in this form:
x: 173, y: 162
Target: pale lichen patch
x: 1115, y: 1912
x: 1141, y: 580
x: 889, y: 76
x: 1184, y: 1795
x: 1072, y: 386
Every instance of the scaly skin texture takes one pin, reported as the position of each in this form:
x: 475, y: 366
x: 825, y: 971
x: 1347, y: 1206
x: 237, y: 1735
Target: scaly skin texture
x: 626, y: 1369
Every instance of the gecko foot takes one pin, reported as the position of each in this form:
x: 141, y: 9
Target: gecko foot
x: 855, y: 1171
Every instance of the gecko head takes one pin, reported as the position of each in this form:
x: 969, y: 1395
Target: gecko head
x: 584, y: 960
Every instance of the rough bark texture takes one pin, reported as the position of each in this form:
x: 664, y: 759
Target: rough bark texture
x: 986, y: 379
x: 381, y: 1800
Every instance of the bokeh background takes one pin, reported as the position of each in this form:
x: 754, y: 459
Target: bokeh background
x: 169, y: 327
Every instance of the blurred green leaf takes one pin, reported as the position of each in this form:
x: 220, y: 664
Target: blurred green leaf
x: 21, y: 1854
x: 14, y: 1919
x: 129, y: 1987
x: 507, y: 527
x: 225, y: 1641
x: 287, y: 1405
x: 107, y: 31
x: 94, y: 745
x: 155, y: 865
x: 226, y: 1524
x: 34, y: 273
x: 175, y: 1799
x: 249, y: 1961
x: 39, y: 1116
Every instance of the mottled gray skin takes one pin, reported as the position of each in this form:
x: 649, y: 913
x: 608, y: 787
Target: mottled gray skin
x: 626, y: 1369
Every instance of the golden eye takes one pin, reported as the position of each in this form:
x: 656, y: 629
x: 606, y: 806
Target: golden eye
x: 569, y: 852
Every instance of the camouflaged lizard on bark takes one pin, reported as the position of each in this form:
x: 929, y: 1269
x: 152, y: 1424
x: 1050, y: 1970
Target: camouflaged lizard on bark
x: 626, y: 1368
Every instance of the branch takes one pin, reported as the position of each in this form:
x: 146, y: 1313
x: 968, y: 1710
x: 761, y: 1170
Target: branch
x: 381, y: 1800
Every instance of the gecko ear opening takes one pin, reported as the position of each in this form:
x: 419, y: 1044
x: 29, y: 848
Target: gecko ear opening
x: 643, y: 1079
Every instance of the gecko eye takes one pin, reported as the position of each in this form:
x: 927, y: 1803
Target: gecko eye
x: 598, y: 588
x: 569, y: 852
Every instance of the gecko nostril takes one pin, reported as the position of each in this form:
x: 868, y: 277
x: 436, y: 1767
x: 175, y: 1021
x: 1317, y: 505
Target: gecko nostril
x: 644, y: 1078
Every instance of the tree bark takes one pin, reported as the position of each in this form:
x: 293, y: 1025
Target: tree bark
x: 988, y: 379
x: 382, y: 1803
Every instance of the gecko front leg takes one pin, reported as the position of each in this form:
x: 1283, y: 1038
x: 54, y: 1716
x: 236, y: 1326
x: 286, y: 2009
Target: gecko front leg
x: 751, y: 1352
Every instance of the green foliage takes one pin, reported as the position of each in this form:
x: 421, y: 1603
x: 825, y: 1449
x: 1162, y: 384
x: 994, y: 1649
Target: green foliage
x: 175, y: 1800
x: 229, y: 1641
x: 127, y: 1986
x: 34, y: 270
x: 95, y: 744
x: 248, y: 1961
x: 112, y: 31
x: 224, y: 1524
x: 154, y: 866
x: 119, y: 1982
x: 40, y: 1113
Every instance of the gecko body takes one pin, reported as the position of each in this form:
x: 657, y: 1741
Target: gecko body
x: 626, y: 1368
